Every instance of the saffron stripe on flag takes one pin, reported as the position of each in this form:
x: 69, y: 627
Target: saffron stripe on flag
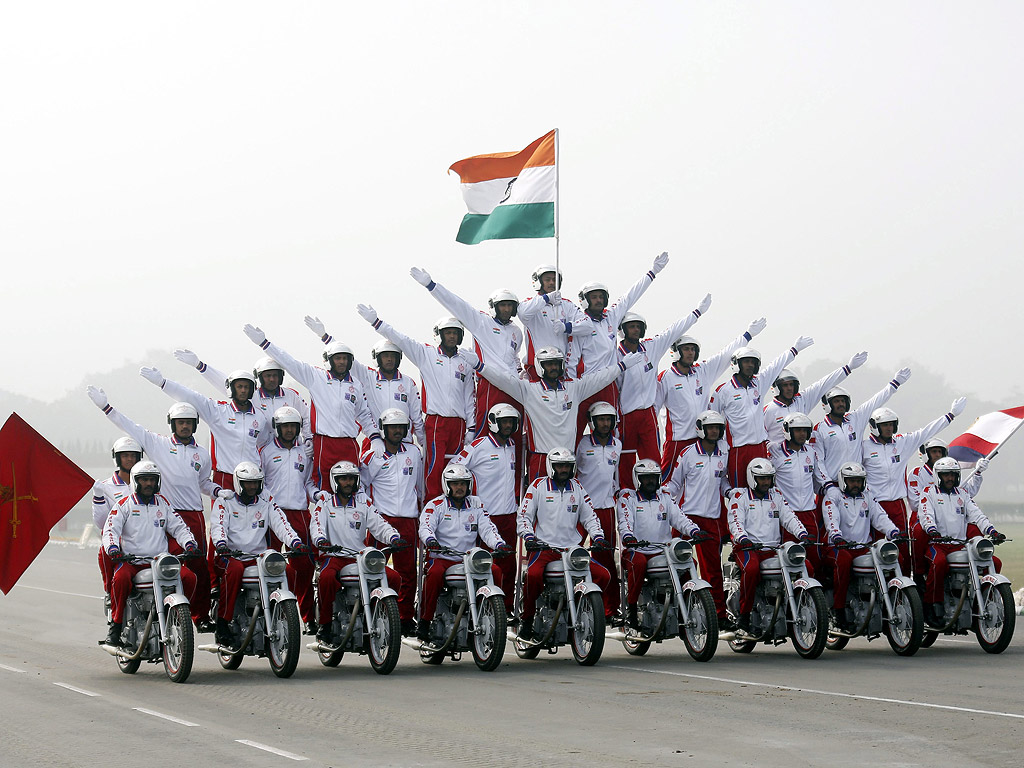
x: 508, y: 222
x: 506, y: 164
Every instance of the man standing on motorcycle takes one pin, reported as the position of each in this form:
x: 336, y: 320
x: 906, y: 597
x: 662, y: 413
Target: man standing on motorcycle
x: 242, y: 524
x: 945, y: 512
x: 138, y: 526
x: 343, y: 520
x: 646, y: 514
x: 552, y: 509
x: 849, y: 516
x: 126, y: 452
x: 793, y: 460
x: 755, y: 514
x: 453, y: 521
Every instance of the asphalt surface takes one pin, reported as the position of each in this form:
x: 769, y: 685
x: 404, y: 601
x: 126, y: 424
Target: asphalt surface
x: 63, y: 701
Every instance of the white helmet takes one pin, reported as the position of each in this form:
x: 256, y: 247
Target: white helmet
x: 934, y: 443
x: 848, y: 470
x: 386, y: 346
x: 633, y: 317
x: 341, y: 469
x: 707, y: 418
x: 601, y: 408
x: 285, y: 415
x: 645, y: 467
x: 560, y: 456
x: 883, y: 416
x: 502, y: 411
x: 503, y: 294
x: 682, y: 341
x: 832, y: 394
x: 742, y: 353
x: 144, y: 468
x: 590, y: 287
x: 455, y: 472
x: 125, y: 445
x: 337, y: 348
x: 449, y: 322
x: 945, y: 464
x: 545, y: 354
x: 183, y: 411
x: 246, y: 470
x: 543, y: 269
x: 759, y: 468
x: 265, y: 364
x: 786, y: 375
x: 239, y: 375
x: 393, y: 416
x: 796, y: 421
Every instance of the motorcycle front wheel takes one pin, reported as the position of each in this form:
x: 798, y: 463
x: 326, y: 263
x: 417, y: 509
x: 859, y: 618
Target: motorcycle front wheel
x: 588, y: 642
x: 489, y: 644
x: 995, y: 626
x: 283, y: 652
x: 179, y: 649
x: 700, y: 633
x: 905, y: 628
x: 809, y: 630
x: 384, y: 639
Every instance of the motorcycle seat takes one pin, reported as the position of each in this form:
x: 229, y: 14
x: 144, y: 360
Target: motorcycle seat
x: 349, y: 574
x: 143, y: 579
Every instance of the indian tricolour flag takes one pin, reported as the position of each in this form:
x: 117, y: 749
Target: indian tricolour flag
x: 509, y: 194
x: 986, y: 434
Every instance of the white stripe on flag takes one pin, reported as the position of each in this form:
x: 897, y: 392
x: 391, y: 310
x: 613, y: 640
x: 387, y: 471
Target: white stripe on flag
x: 993, y: 427
x: 534, y: 185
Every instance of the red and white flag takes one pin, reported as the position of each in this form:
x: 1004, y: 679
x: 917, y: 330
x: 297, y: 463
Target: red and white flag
x: 986, y: 434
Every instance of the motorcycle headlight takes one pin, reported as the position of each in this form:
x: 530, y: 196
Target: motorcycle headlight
x: 579, y: 559
x: 481, y: 561
x: 795, y: 554
x: 275, y: 564
x: 373, y: 561
x: 888, y: 553
x: 681, y: 551
x: 168, y: 566
x: 983, y: 548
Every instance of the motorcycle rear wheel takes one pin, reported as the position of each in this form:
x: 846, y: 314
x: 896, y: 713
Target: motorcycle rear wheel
x: 837, y: 642
x: 995, y: 634
x: 283, y: 652
x: 129, y: 666
x: 489, y: 646
x: 384, y: 635
x: 906, y: 638
x: 809, y: 630
x: 179, y: 650
x: 588, y: 642
x: 929, y: 639
x: 700, y: 633
x: 636, y: 647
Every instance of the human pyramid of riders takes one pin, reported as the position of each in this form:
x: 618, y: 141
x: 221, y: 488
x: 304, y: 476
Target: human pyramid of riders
x: 549, y: 435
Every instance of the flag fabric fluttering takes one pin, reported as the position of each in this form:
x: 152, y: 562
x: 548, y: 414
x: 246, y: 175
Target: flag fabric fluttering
x: 38, y: 486
x: 986, y: 434
x: 510, y: 194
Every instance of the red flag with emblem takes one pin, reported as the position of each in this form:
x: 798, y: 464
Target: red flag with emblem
x: 38, y: 486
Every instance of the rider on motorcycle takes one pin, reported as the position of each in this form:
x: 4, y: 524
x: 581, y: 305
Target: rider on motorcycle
x: 454, y: 521
x: 139, y: 525
x: 754, y: 515
x: 646, y: 514
x: 552, y: 509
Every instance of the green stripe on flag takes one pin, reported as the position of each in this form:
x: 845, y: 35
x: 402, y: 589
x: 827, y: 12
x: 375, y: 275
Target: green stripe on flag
x: 507, y: 222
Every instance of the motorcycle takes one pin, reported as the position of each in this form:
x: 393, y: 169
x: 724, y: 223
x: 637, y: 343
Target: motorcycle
x: 470, y: 614
x: 787, y: 603
x: 881, y: 599
x: 266, y: 620
x: 972, y: 579
x: 365, y: 617
x: 569, y: 609
x: 156, y: 597
x: 673, y: 602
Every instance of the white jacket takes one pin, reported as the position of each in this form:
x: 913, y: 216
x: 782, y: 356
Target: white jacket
x: 597, y: 340
x: 288, y: 474
x: 759, y: 519
x: 853, y: 517
x: 494, y: 471
x: 394, y: 481
x: 495, y: 342
x: 538, y: 315
x: 949, y: 513
x: 886, y: 463
x: 920, y: 477
x: 346, y: 525
x: 804, y: 401
x: 699, y: 480
x: 457, y: 527
x: 552, y: 514
x: 142, y: 529
x: 650, y: 519
x: 742, y: 405
x: 105, y: 496
x: 794, y: 474
x: 244, y: 527
x: 638, y: 387
x: 597, y: 469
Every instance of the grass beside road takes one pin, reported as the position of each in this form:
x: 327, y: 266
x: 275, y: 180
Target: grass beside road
x: 1012, y: 553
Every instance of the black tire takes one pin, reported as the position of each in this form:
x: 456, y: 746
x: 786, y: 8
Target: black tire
x: 283, y: 653
x: 331, y: 659
x: 636, y: 647
x: 994, y: 635
x: 588, y: 644
x: 809, y: 630
x: 489, y: 647
x: 929, y: 639
x: 837, y: 642
x: 179, y: 650
x: 129, y: 666
x: 230, y: 660
x: 906, y: 633
x: 742, y: 646
x: 700, y: 634
x: 526, y: 651
x: 384, y: 635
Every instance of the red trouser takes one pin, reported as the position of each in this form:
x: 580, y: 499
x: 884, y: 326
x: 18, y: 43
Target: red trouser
x: 536, y: 466
x: 300, y: 569
x: 506, y: 525
x: 121, y: 586
x: 199, y: 604
x: 533, y: 580
x: 404, y: 563
x: 810, y: 520
x: 328, y: 451
x: 739, y: 457
x: 939, y: 567
x: 444, y: 441
x: 434, y: 580
x: 670, y: 454
x: 609, y: 394
x: 842, y: 565
x: 329, y: 583
x: 639, y: 432
x: 231, y: 570
x: 709, y: 557
x: 606, y: 560
x: 106, y: 569
x: 897, y: 512
x: 749, y: 561
x: 634, y: 566
x: 488, y: 396
x: 919, y: 546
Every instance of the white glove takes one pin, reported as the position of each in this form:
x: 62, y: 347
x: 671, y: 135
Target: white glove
x: 471, y: 356
x: 803, y: 343
x: 902, y: 375
x: 470, y: 437
x: 660, y: 262
x: 314, y: 324
x: 225, y: 494
x: 559, y: 326
x: 421, y: 276
x: 152, y: 375
x: 756, y: 327
x: 555, y: 296
x: 958, y: 406
x: 982, y: 465
x: 321, y: 496
x: 633, y: 358
x: 98, y: 396
x: 368, y: 313
x: 704, y: 305
x: 256, y: 336
x: 858, y: 360
x: 187, y: 356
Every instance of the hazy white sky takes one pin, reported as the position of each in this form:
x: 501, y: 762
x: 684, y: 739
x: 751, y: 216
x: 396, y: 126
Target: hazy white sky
x: 171, y: 171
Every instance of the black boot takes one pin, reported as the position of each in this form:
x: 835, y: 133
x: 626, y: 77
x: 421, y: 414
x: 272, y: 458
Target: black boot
x: 743, y: 625
x: 113, y: 636
x: 938, y: 615
x: 310, y: 628
x: 423, y: 630
x: 222, y: 635
x: 323, y: 634
x: 526, y: 631
x: 408, y: 627
x: 631, y: 620
x: 206, y: 627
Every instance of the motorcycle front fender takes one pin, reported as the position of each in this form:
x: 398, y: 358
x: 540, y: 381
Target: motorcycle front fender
x: 174, y: 599
x: 806, y: 582
x: 281, y: 595
x: 585, y: 587
x: 487, y: 591
x: 693, y: 584
x: 900, y: 582
x: 382, y: 592
x: 994, y: 578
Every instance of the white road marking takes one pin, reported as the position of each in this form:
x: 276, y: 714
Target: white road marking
x: 838, y: 694
x: 165, y: 717
x: 276, y: 751
x: 12, y: 669
x: 76, y: 690
x: 59, y: 592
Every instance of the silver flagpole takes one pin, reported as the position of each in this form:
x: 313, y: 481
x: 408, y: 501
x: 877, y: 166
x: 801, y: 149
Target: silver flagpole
x: 558, y: 268
x: 994, y: 450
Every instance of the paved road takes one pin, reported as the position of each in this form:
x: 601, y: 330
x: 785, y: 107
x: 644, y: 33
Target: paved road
x: 64, y: 702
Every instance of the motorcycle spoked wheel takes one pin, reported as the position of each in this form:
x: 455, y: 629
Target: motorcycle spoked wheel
x: 995, y: 632
x: 488, y: 647
x: 179, y: 650
x: 905, y: 636
x: 588, y: 642
x: 809, y: 630
x: 129, y: 666
x: 700, y: 634
x: 929, y: 639
x: 283, y: 652
x: 329, y: 659
x: 384, y: 635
